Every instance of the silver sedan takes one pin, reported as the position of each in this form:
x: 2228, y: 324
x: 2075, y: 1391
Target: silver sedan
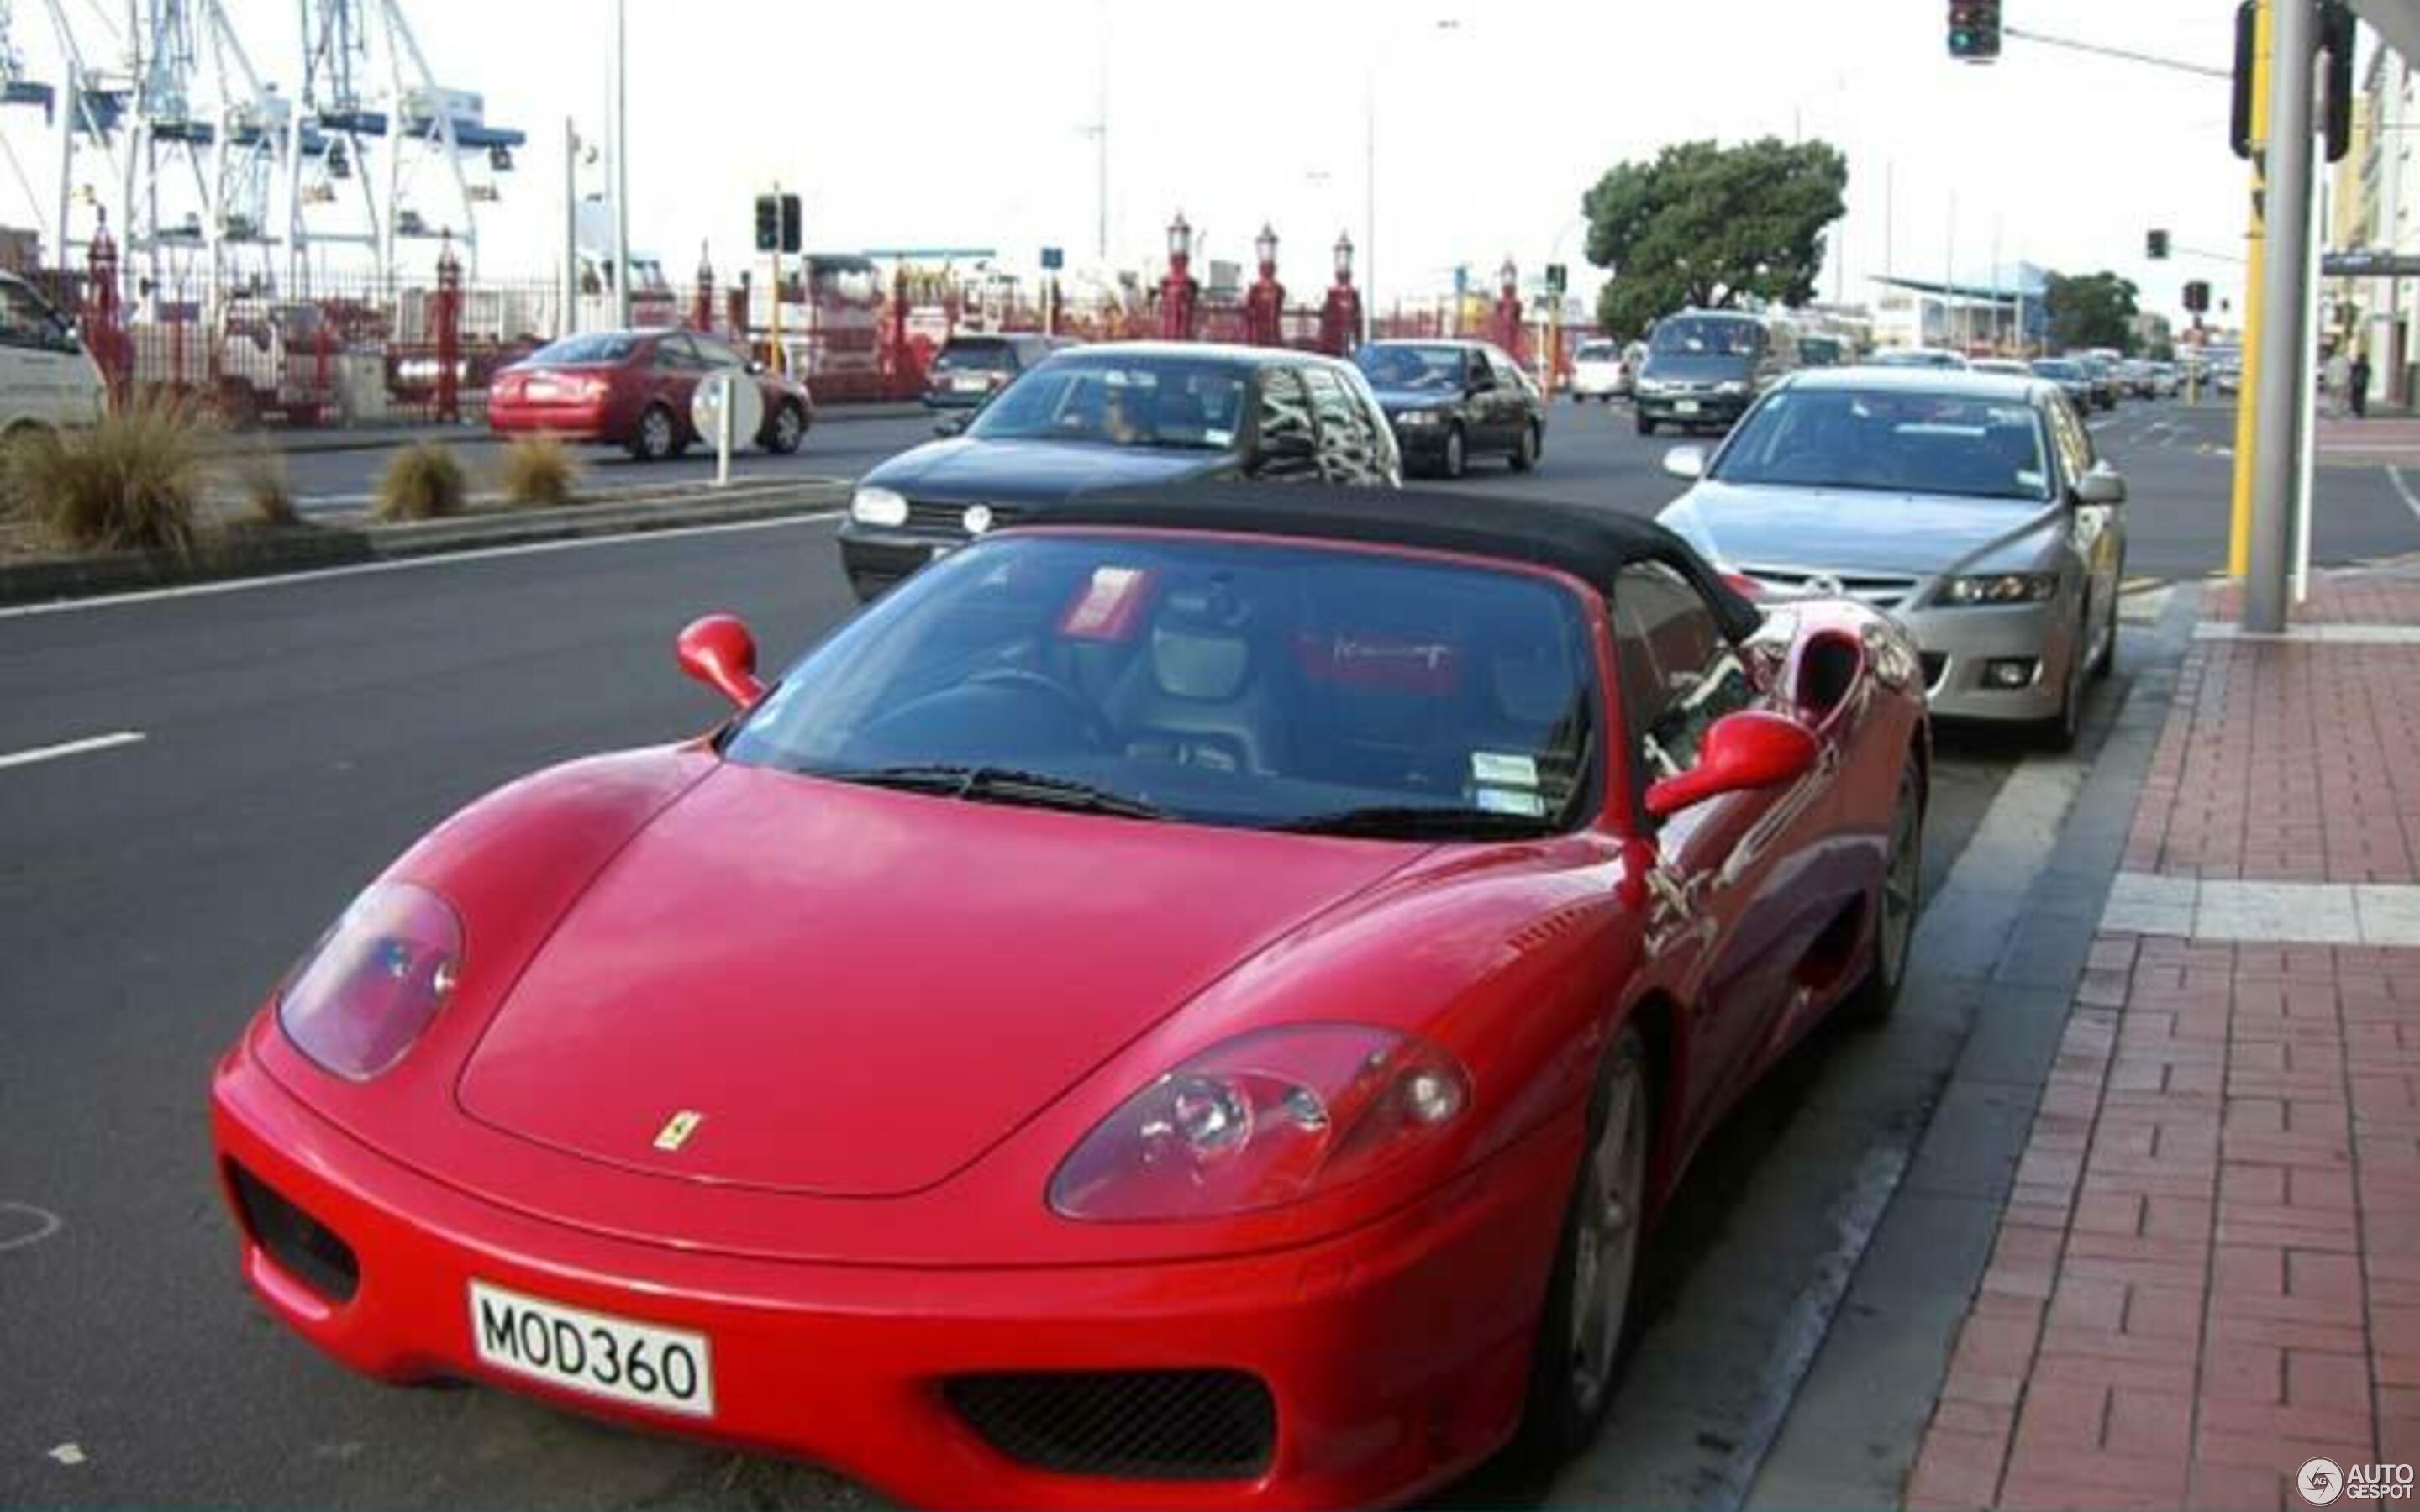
x: 1970, y: 505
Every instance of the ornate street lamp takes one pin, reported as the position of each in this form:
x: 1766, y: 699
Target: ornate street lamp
x: 1266, y: 247
x: 1344, y: 259
x: 1180, y: 239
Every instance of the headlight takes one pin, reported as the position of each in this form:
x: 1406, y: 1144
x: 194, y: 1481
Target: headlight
x: 2002, y: 588
x: 1649, y: 385
x: 1266, y: 1119
x: 878, y: 506
x: 371, y: 986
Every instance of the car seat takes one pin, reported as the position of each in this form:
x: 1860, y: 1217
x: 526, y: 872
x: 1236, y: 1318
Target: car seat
x: 1199, y: 696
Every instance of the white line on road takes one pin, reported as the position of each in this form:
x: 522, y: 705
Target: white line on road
x: 72, y: 747
x: 2395, y: 476
x: 237, y: 585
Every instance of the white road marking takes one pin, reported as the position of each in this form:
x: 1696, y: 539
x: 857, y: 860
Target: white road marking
x: 442, y: 559
x: 70, y: 748
x: 2395, y: 476
x: 68, y: 1453
x: 23, y: 1224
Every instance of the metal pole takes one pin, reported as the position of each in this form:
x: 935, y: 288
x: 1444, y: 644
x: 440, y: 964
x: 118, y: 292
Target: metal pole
x: 621, y: 170
x: 2307, y: 387
x: 2286, y: 312
x: 1101, y: 149
x: 570, y: 320
x: 2255, y: 244
x: 1370, y: 190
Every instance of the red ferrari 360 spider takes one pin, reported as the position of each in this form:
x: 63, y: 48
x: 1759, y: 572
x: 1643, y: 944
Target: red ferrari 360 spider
x: 1189, y: 1001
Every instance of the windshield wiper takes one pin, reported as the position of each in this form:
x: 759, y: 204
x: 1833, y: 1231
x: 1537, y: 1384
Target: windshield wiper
x: 1003, y: 784
x: 1422, y: 821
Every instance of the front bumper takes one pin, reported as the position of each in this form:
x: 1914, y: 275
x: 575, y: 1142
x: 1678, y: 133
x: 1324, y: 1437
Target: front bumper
x: 1395, y: 1356
x: 1957, y: 644
x: 879, y: 560
x: 1704, y: 409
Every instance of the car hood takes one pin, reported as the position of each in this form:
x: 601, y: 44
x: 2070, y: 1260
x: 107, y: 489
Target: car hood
x: 1853, y: 529
x: 968, y: 470
x: 858, y: 992
x: 1396, y: 400
x: 1666, y: 368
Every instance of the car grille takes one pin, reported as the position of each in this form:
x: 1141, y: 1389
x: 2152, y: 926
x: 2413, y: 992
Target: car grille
x: 1135, y: 1424
x: 303, y: 1247
x: 928, y: 515
x: 1886, y: 591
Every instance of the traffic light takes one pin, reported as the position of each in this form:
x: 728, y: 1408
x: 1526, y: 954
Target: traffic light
x: 2248, y: 47
x: 2338, y: 36
x: 2155, y: 246
x: 1974, y: 30
x: 777, y: 223
x: 1558, y: 279
x: 2197, y: 297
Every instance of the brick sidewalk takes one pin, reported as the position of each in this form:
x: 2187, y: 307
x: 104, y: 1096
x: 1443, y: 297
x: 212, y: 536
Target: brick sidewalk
x: 2207, y: 1272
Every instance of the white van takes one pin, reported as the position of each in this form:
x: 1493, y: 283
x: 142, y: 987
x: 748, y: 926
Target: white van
x: 47, y: 380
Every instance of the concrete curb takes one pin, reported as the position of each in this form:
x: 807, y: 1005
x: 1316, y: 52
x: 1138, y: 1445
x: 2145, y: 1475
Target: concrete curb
x: 254, y: 553
x: 1854, y: 1429
x: 310, y: 442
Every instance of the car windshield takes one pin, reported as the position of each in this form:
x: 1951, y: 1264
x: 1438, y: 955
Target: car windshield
x: 1181, y: 402
x: 974, y: 355
x: 2052, y: 368
x: 593, y: 346
x: 1912, y: 358
x: 1696, y: 336
x: 1424, y: 369
x: 1898, y: 442
x: 1217, y: 682
x: 1595, y: 351
x: 1820, y: 351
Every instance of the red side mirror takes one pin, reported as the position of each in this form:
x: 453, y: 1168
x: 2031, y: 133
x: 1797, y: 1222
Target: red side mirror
x: 719, y: 652
x: 1751, y: 748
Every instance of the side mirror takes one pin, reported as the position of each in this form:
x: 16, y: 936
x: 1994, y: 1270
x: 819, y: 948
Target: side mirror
x: 1687, y: 462
x: 2101, y: 485
x: 719, y: 652
x: 1751, y: 748
x: 950, y: 424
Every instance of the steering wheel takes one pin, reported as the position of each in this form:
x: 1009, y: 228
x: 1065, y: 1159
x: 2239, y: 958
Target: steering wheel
x: 1096, y: 729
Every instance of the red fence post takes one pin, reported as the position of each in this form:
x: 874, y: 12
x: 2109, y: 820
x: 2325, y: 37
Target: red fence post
x: 1507, y: 332
x: 1179, y: 291
x: 105, y: 333
x: 704, y: 316
x: 1339, y: 314
x: 448, y: 315
x: 1265, y: 307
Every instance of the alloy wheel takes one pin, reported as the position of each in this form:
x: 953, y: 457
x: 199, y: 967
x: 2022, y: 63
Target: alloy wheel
x: 1606, y: 1239
x: 655, y: 434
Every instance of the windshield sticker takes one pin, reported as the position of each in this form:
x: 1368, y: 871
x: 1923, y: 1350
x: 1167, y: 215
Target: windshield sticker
x: 1109, y: 606
x: 2030, y: 480
x: 1510, y: 800
x: 1218, y: 437
x: 1503, y: 769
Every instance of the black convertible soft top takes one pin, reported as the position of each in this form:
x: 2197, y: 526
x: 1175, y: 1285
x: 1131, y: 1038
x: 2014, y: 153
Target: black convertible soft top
x: 1591, y: 544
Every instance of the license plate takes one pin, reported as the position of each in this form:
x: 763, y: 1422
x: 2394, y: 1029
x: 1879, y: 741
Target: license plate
x: 971, y: 382
x: 670, y: 1370
x: 543, y: 390
x: 1684, y: 407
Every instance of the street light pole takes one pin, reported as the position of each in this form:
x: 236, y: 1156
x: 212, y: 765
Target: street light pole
x: 1369, y: 191
x: 2285, y: 334
x: 621, y: 281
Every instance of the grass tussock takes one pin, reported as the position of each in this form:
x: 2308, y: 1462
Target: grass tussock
x: 423, y: 481
x: 134, y: 481
x: 261, y: 478
x: 539, y: 471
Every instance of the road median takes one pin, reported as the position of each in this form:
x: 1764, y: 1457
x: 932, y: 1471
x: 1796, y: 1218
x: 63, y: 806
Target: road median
x: 255, y: 551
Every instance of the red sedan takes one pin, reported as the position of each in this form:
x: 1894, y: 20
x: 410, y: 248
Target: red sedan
x: 632, y: 388
x: 1190, y: 1001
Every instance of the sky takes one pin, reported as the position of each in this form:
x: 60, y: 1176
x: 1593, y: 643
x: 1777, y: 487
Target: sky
x: 962, y: 123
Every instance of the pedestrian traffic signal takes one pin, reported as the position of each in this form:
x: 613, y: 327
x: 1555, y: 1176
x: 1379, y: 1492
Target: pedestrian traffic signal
x: 2338, y: 36
x: 2248, y: 47
x: 777, y: 223
x: 1974, y: 30
x: 1558, y: 279
x: 2197, y: 297
x: 2155, y: 246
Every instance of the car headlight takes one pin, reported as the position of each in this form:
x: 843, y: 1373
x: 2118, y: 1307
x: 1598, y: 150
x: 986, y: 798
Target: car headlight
x: 878, y: 506
x: 372, y: 985
x: 1649, y: 385
x: 1269, y: 1118
x: 2002, y: 588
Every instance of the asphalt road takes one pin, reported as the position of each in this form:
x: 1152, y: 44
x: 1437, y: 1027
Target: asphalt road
x: 294, y: 736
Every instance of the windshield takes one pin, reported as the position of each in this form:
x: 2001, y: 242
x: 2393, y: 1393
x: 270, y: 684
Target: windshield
x: 965, y: 355
x: 1913, y: 359
x: 595, y: 346
x: 1595, y: 351
x: 1424, y: 369
x: 1820, y: 351
x: 2064, y: 372
x: 1700, y: 336
x: 1894, y: 442
x: 1213, y: 682
x: 1183, y: 402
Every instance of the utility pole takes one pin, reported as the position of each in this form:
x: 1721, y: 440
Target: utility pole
x: 2288, y: 160
x: 2255, y: 244
x: 570, y: 319
x: 622, y: 170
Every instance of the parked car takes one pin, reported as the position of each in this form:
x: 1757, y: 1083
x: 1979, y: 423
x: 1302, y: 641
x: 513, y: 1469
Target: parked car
x: 971, y: 367
x: 1452, y: 400
x: 1198, y: 997
x: 48, y: 381
x: 1939, y: 358
x: 1972, y: 507
x: 1598, y: 372
x: 1705, y: 367
x: 2168, y: 380
x: 1118, y: 414
x: 632, y: 388
x: 2072, y: 378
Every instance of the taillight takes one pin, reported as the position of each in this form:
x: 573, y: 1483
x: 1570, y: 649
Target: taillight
x: 1266, y: 1119
x: 1744, y: 585
x: 370, y: 988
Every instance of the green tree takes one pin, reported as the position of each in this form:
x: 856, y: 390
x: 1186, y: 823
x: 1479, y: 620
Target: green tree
x: 1710, y: 225
x: 2091, y: 310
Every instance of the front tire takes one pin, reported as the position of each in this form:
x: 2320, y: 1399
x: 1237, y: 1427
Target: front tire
x: 1585, y: 1330
x: 788, y: 430
x: 1645, y: 426
x: 2059, y: 732
x: 2106, y: 663
x: 1897, y: 903
x: 1525, y: 451
x: 1457, y: 456
x: 658, y: 436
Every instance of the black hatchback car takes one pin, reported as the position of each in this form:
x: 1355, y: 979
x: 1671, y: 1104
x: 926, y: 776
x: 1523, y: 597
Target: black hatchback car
x: 970, y: 368
x: 1118, y: 415
x: 1452, y: 400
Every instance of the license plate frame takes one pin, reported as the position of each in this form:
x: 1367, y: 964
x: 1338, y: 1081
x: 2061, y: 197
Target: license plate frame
x: 661, y: 1369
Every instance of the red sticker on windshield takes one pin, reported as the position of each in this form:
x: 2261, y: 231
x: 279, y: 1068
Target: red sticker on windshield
x: 1366, y: 661
x: 1110, y: 606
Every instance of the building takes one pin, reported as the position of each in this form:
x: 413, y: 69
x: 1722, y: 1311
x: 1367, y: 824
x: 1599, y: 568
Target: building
x: 1994, y: 310
x: 2372, y: 211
